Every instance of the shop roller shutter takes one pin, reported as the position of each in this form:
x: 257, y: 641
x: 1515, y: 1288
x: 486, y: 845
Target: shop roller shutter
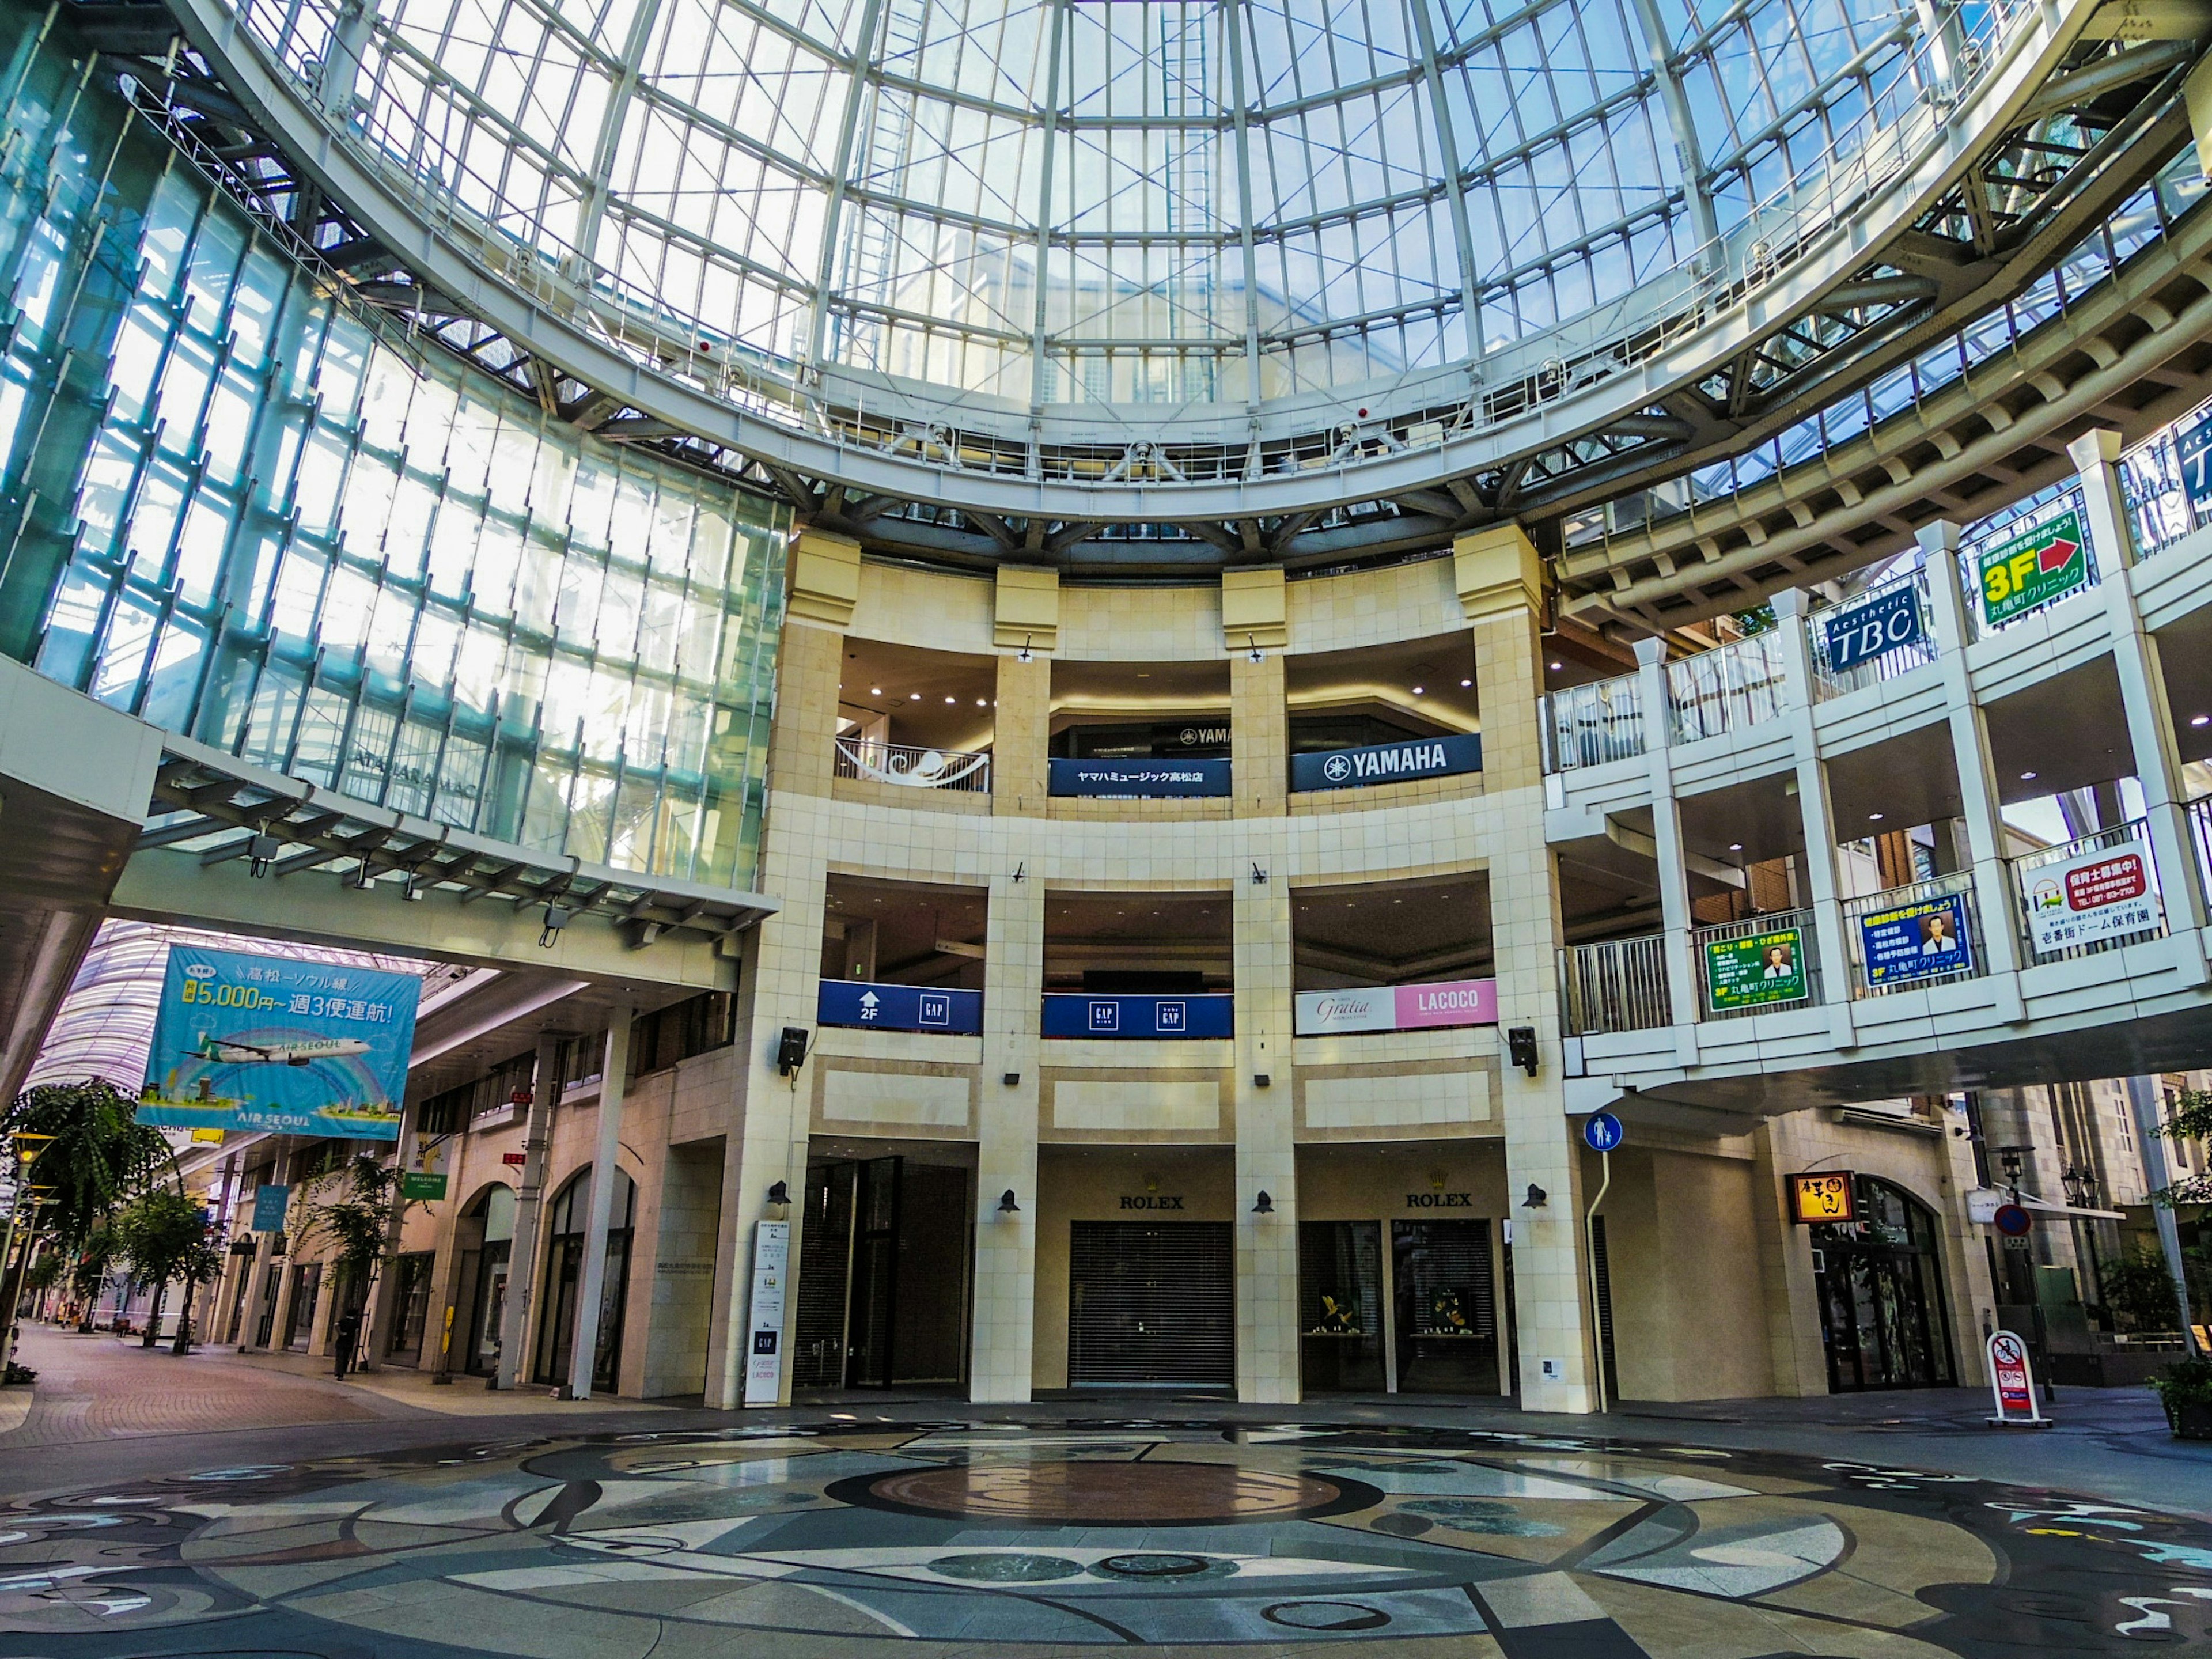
x: 1151, y: 1304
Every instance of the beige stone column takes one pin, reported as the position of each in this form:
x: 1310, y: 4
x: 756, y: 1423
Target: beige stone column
x: 1005, y: 1333
x: 1500, y: 578
x: 1025, y: 625
x: 783, y: 969
x: 1255, y: 618
x: 1267, y: 1244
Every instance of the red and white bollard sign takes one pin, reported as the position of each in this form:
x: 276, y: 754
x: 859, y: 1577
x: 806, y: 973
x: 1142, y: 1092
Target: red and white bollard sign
x: 2011, y: 1383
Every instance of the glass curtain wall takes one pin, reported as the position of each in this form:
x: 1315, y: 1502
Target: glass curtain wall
x: 236, y: 510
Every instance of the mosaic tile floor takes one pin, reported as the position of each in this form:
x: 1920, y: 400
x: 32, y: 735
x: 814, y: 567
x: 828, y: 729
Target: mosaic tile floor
x: 1187, y: 1535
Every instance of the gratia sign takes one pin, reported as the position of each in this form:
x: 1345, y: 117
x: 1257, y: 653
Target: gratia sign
x: 764, y: 1346
x: 2032, y: 569
x: 2095, y: 896
x: 1873, y: 627
x: 1396, y: 1007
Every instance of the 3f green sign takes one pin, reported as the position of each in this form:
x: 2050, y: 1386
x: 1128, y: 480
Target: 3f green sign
x: 2033, y: 570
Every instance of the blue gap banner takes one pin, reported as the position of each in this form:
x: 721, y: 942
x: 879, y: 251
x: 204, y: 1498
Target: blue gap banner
x: 1388, y: 763
x: 1138, y: 779
x: 899, y: 1007
x: 1078, y: 1014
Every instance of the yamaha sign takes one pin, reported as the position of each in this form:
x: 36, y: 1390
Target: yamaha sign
x: 1388, y: 763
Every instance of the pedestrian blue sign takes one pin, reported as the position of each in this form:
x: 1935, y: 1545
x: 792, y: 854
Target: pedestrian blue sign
x: 1602, y: 1130
x: 899, y: 1007
x: 1388, y: 763
x: 1923, y: 940
x: 1210, y: 1014
x: 279, y: 1045
x: 1138, y: 780
x: 1873, y: 627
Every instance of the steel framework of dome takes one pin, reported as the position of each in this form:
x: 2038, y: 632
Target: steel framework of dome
x: 1153, y: 285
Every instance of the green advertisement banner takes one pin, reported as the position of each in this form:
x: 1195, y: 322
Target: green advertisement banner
x: 2033, y: 570
x: 1763, y: 967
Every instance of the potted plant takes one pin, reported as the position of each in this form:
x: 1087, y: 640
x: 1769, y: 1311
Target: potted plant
x: 2185, y: 1389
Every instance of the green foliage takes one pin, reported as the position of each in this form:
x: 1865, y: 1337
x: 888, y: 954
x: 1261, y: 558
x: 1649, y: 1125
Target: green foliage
x: 101, y: 1157
x: 2139, y: 1287
x: 2184, y: 1383
x: 351, y: 1208
x: 97, y: 1253
x: 1759, y: 619
x: 164, y: 1237
x: 47, y: 1272
x: 2190, y: 1119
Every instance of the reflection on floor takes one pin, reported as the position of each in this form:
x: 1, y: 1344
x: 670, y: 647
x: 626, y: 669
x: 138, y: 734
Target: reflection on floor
x: 1095, y: 1533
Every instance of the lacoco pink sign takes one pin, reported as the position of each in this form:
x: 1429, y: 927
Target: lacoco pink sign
x: 1398, y: 1007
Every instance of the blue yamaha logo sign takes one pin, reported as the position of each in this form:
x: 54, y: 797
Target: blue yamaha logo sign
x: 1337, y: 767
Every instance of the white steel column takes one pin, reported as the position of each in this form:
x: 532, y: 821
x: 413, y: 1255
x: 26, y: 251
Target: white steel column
x: 1666, y: 837
x: 590, y: 1279
x: 529, y: 1199
x: 1817, y: 813
x: 1979, y: 802
x: 1003, y: 1335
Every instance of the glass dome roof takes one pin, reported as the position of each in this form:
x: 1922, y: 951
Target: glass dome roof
x: 1229, y: 201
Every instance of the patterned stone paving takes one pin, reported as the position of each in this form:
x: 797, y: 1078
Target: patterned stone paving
x: 1193, y: 1537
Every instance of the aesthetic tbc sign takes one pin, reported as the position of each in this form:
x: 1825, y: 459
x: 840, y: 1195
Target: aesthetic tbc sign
x: 899, y: 1007
x: 2193, y: 448
x: 1388, y: 763
x: 2033, y: 568
x: 1072, y: 1014
x: 1915, y: 941
x: 1874, y: 628
x: 2105, y: 894
x: 245, y: 1042
x: 764, y: 1347
x: 1823, y: 1195
x: 1138, y: 780
x: 1397, y: 1007
x: 1761, y: 969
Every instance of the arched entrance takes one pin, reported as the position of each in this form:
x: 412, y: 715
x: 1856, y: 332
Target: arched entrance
x: 486, y: 1237
x: 566, y: 1221
x: 1880, y: 1284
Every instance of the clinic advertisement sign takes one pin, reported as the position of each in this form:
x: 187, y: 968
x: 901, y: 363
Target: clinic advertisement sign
x: 1397, y: 1007
x: 2032, y: 569
x: 2095, y: 896
x: 244, y: 1042
x: 1915, y: 941
x: 899, y: 1007
x: 1388, y: 763
x: 1075, y: 1014
x: 1138, y: 780
x: 1874, y: 628
x: 1756, y: 970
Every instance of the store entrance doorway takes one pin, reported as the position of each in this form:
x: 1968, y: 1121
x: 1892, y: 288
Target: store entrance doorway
x: 1880, y: 1286
x: 1446, y: 1307
x: 883, y: 1275
x: 1152, y: 1305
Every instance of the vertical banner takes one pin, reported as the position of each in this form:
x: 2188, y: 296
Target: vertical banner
x: 270, y: 1204
x: 764, y: 1328
x: 244, y: 1042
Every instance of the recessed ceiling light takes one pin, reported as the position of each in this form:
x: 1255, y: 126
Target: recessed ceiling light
x: 1464, y: 685
x: 981, y: 703
x: 2027, y: 777
x: 916, y: 696
x: 875, y: 690
x: 953, y: 700
x: 1418, y: 689
x: 2200, y: 719
x: 1874, y: 817
x: 1735, y: 846
x: 1555, y: 668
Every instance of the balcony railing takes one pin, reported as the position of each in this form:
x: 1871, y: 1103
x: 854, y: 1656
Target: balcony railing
x: 1757, y: 965
x: 1732, y: 689
x: 1923, y: 933
x: 2089, y: 896
x: 1619, y: 985
x: 1896, y: 659
x: 913, y: 767
x: 1589, y: 724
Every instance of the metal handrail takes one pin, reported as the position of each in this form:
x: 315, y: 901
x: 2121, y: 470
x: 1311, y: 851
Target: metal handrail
x: 1589, y: 724
x: 1754, y: 928
x: 1959, y: 884
x: 913, y: 766
x: 1896, y: 661
x: 2031, y: 894
x: 1614, y: 985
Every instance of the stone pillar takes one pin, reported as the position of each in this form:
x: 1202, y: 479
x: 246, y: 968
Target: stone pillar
x: 1255, y: 618
x: 1004, y: 1336
x: 2144, y: 696
x: 1979, y: 802
x: 1817, y: 814
x: 825, y: 583
x: 529, y: 1206
x: 1267, y: 1157
x: 591, y: 1277
x: 1025, y: 625
x: 1500, y: 583
x: 1682, y: 990
x: 268, y: 1261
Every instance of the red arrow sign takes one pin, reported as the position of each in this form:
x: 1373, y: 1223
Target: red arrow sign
x: 2054, y: 557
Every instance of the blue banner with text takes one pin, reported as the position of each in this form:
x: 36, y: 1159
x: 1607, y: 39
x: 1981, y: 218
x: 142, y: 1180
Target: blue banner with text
x: 1069, y: 1014
x: 1388, y: 763
x: 899, y: 1007
x: 1138, y: 779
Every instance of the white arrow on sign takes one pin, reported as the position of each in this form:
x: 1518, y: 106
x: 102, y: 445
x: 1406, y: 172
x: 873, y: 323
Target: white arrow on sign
x: 869, y: 1003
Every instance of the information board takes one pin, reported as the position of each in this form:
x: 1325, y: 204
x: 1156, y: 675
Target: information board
x: 2031, y: 569
x: 1757, y: 969
x: 1915, y: 941
x: 2095, y: 896
x: 764, y: 1328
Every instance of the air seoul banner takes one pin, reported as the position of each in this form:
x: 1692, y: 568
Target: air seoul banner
x: 1388, y: 763
x: 245, y: 1042
x: 1397, y: 1007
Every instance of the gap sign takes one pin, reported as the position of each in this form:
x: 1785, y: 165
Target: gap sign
x: 2033, y: 570
x: 899, y: 1007
x: 1070, y: 1014
x: 1874, y: 628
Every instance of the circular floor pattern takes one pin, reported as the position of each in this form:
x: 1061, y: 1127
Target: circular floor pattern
x: 840, y: 1542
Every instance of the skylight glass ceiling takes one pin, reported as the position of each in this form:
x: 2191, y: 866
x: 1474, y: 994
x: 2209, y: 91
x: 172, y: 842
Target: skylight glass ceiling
x: 1336, y: 191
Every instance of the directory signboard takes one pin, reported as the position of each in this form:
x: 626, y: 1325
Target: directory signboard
x: 2095, y: 896
x: 2031, y: 569
x: 244, y: 1042
x: 1755, y: 970
x: 1915, y: 941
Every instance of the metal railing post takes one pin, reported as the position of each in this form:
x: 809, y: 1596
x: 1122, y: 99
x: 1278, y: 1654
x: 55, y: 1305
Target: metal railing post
x: 1667, y: 835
